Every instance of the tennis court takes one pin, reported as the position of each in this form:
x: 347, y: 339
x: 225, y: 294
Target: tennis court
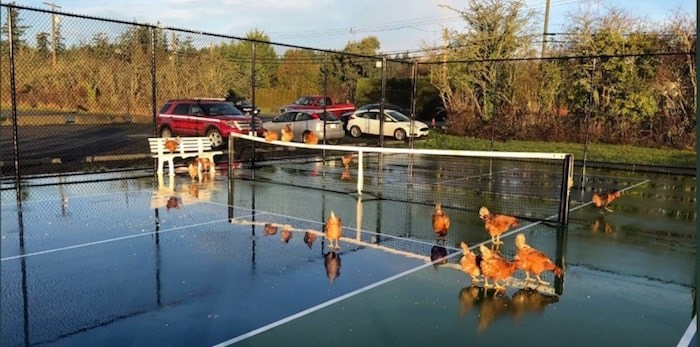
x: 124, y: 266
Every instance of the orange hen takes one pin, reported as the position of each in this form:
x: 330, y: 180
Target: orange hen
x: 334, y: 230
x: 496, y: 224
x: 347, y: 159
x: 441, y: 222
x: 309, y: 239
x: 533, y: 261
x: 311, y: 138
x: 470, y: 263
x: 270, y: 135
x: 171, y: 144
x: 495, y: 267
x: 604, y: 199
x: 287, y: 134
x: 286, y: 234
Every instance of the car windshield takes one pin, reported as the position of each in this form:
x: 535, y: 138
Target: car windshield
x: 220, y: 108
x: 302, y: 101
x: 398, y: 116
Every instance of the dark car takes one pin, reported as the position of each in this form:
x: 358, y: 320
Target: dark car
x: 213, y: 118
x: 246, y: 107
x: 345, y: 117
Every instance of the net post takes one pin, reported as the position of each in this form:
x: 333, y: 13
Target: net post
x: 360, y: 173
x: 229, y: 157
x: 566, y: 184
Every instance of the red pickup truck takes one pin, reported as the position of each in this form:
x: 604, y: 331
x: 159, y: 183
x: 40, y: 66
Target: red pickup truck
x: 317, y: 103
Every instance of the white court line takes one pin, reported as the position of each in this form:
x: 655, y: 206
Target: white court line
x: 689, y: 333
x: 327, y: 303
x: 105, y: 241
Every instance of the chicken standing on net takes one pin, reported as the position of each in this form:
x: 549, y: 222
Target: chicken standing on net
x: 270, y: 135
x: 533, y: 261
x: 495, y: 267
x: 334, y: 230
x: 286, y: 234
x: 311, y: 138
x: 496, y: 224
x: 270, y: 229
x: 441, y: 222
x: 602, y: 200
x: 470, y: 263
x: 287, y: 134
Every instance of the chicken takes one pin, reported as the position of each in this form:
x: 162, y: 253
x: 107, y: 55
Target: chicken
x: 171, y: 144
x: 205, y: 163
x: 346, y: 159
x: 173, y: 202
x: 495, y: 267
x: 311, y: 138
x: 334, y: 230
x: 270, y: 135
x: 528, y: 299
x: 470, y: 263
x: 286, y: 234
x: 441, y: 222
x: 496, y: 224
x: 332, y: 264
x: 438, y: 254
x: 270, y: 229
x: 309, y: 239
x: 287, y: 134
x: 193, y: 170
x: 533, y: 261
x: 604, y: 199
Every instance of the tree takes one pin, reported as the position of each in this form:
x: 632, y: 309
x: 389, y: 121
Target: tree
x: 18, y: 29
x: 346, y: 70
x: 241, y: 53
x: 300, y: 71
x: 42, y: 44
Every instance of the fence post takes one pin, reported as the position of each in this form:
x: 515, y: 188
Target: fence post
x: 13, y: 93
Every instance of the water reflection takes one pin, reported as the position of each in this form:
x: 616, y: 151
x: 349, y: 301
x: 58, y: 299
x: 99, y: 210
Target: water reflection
x: 600, y: 225
x: 332, y: 264
x: 530, y: 300
x: 439, y: 253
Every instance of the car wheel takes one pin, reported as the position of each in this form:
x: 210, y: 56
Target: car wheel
x: 165, y: 132
x: 400, y: 134
x: 215, y: 137
x: 355, y: 132
x: 332, y: 141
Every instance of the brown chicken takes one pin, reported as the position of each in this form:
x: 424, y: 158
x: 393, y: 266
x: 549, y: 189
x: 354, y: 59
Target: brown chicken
x: 438, y: 253
x: 334, y: 230
x: 441, y: 222
x: 346, y: 159
x: 171, y: 144
x: 470, y: 263
x: 286, y: 234
x: 287, y: 134
x: 495, y: 267
x: 270, y: 135
x: 332, y: 264
x: 604, y: 199
x: 173, y: 202
x: 533, y: 261
x: 193, y: 170
x: 311, y: 138
x: 270, y: 229
x: 496, y: 224
x: 309, y: 239
x: 205, y: 163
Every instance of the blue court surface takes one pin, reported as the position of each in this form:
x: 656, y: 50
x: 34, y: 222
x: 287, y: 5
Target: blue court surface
x: 117, y: 263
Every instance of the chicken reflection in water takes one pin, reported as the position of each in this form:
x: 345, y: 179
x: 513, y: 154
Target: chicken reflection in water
x: 530, y: 300
x: 601, y: 225
x: 495, y: 305
x: 438, y: 253
x: 332, y: 264
x: 173, y: 202
x: 309, y: 239
x: 346, y: 176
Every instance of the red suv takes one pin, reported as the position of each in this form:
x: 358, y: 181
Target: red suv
x: 213, y: 118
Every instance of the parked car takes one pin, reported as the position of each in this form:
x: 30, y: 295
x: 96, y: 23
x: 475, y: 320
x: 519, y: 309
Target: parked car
x: 303, y: 121
x: 318, y: 103
x: 214, y: 118
x: 247, y: 108
x: 387, y: 106
x: 396, y: 124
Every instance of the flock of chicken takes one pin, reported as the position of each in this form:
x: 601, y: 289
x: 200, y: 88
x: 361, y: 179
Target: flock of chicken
x: 490, y: 264
x: 310, y: 137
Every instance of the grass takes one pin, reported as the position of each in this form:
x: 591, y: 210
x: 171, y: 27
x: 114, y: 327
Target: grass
x: 620, y: 154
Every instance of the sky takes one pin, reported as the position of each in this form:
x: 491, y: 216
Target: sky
x: 400, y: 25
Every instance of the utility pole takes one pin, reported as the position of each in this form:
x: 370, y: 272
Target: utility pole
x: 544, y: 33
x: 54, y: 29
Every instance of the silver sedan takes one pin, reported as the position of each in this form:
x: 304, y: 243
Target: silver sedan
x: 304, y: 121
